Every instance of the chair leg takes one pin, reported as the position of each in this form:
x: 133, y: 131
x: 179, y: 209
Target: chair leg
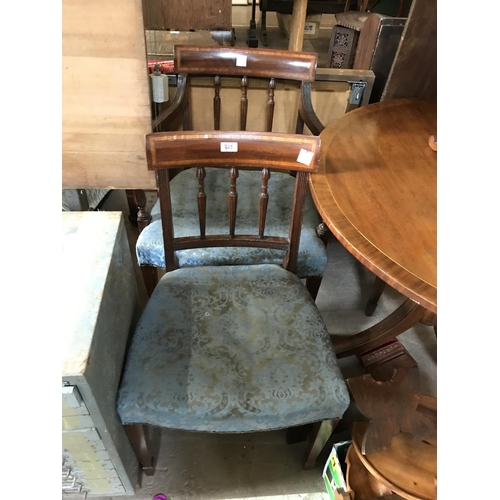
x: 132, y: 207
x: 319, y: 436
x: 313, y: 284
x: 377, y: 290
x: 150, y: 277
x: 138, y: 436
x: 263, y: 25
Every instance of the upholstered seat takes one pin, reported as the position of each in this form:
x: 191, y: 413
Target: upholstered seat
x: 312, y: 252
x: 231, y: 349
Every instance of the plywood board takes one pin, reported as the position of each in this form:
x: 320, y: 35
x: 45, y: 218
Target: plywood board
x: 414, y: 72
x: 105, y: 95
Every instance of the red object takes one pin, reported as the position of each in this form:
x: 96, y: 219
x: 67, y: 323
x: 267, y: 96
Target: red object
x: 166, y: 67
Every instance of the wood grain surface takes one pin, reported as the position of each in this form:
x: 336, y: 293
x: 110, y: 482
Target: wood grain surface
x: 105, y: 95
x: 376, y: 191
x: 409, y: 468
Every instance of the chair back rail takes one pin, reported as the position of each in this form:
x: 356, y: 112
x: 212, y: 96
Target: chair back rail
x: 264, y: 151
x: 218, y: 62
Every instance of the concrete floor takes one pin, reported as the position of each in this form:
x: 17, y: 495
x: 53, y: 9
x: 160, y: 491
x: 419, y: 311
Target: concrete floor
x: 198, y: 466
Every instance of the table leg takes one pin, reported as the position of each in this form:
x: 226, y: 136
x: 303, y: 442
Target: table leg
x: 403, y: 318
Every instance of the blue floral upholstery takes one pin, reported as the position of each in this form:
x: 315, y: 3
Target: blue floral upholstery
x: 184, y: 188
x: 231, y: 349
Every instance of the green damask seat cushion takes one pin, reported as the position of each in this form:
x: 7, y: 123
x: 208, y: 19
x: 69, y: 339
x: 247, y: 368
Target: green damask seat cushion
x: 184, y: 188
x: 231, y: 349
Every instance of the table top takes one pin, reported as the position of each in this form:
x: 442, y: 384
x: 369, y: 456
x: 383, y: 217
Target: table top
x: 376, y: 190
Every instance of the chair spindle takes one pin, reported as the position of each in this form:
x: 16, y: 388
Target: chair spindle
x: 244, y: 103
x: 270, y: 105
x: 217, y: 102
x: 233, y: 200
x: 202, y: 200
x: 264, y: 198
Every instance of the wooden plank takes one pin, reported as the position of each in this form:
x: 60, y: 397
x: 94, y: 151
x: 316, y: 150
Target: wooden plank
x: 414, y: 72
x: 185, y: 15
x: 105, y: 95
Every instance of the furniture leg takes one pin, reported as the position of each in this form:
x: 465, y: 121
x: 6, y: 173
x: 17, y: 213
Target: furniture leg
x: 252, y: 40
x: 138, y: 436
x: 408, y: 314
x: 143, y: 216
x: 150, y: 277
x: 319, y: 436
x: 297, y: 25
x: 132, y: 207
x: 377, y: 290
x: 312, y: 284
x: 263, y: 25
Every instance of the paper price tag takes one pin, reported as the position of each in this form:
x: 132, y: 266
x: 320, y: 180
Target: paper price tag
x: 241, y: 61
x: 229, y: 147
x: 305, y: 157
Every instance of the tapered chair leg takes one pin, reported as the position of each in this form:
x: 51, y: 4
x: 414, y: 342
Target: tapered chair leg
x: 139, y: 439
x: 377, y: 290
x: 312, y: 285
x: 319, y: 436
x: 150, y: 277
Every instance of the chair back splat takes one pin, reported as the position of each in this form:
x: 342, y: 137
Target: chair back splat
x: 261, y: 151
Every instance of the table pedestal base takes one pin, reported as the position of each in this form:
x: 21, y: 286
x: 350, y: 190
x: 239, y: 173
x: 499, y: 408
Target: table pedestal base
x: 408, y: 314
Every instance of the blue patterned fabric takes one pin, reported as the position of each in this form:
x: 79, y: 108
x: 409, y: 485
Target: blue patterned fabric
x: 231, y: 349
x: 184, y: 188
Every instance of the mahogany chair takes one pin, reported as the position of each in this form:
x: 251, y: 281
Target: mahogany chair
x: 235, y: 348
x: 249, y: 66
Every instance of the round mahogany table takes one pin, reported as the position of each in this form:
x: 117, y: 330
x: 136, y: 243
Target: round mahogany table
x: 376, y: 191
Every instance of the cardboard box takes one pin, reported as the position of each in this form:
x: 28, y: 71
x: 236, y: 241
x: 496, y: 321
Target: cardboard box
x: 335, y: 470
x: 311, y: 26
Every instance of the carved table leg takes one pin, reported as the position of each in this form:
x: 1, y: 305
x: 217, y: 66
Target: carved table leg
x: 404, y: 317
x: 143, y: 216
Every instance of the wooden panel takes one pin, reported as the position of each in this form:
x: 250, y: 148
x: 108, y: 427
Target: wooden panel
x: 377, y: 46
x: 414, y: 72
x: 105, y: 95
x: 185, y: 15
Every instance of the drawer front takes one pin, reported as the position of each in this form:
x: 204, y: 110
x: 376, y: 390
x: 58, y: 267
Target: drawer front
x: 87, y: 467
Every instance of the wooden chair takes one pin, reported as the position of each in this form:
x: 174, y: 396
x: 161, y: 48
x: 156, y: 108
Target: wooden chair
x: 248, y: 65
x: 236, y: 348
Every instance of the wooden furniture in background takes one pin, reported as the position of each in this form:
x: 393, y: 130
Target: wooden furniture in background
x: 105, y: 96
x: 408, y: 469
x: 286, y: 7
x: 414, y: 72
x: 186, y: 15
x: 99, y: 307
x: 376, y: 191
x: 378, y: 43
x: 344, y: 39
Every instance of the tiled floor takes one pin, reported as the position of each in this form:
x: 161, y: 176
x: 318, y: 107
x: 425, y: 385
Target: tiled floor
x: 200, y: 466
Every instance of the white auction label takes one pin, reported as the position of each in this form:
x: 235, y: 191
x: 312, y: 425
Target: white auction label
x: 305, y: 157
x: 229, y: 147
x: 241, y: 61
